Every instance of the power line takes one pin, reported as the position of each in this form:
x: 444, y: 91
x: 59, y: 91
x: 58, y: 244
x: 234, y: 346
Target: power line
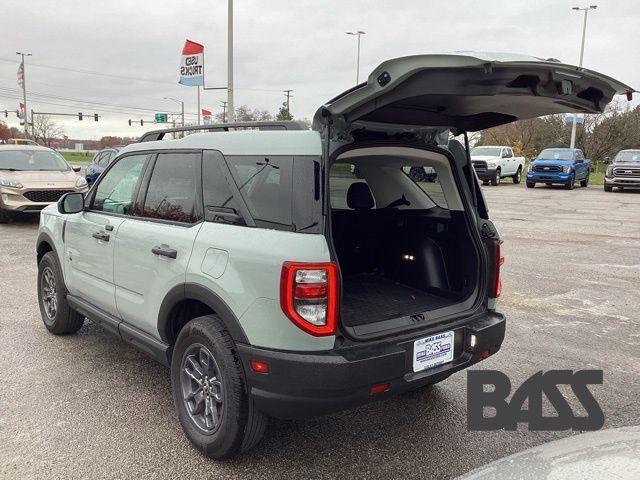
x: 45, y: 96
x: 126, y: 77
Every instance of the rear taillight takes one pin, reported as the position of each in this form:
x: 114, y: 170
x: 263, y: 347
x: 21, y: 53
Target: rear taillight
x: 497, y: 283
x: 309, y: 296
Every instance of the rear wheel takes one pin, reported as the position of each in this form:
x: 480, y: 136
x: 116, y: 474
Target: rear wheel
x: 608, y: 188
x: 495, y: 181
x: 57, y: 315
x: 209, y: 393
x: 516, y: 178
x: 585, y: 182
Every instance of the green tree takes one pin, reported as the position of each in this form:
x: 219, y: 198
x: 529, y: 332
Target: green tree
x: 284, y: 113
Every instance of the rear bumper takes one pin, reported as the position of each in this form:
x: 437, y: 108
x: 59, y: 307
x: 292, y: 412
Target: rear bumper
x: 536, y: 177
x: 307, y: 384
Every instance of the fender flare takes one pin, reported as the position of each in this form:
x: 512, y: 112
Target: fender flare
x: 194, y: 291
x: 44, y: 237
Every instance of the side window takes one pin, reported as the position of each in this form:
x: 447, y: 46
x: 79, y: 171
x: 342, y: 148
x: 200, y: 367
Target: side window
x: 579, y: 155
x: 96, y: 157
x: 341, y: 177
x: 219, y: 203
x: 173, y: 192
x: 265, y: 183
x: 103, y: 161
x: 117, y: 187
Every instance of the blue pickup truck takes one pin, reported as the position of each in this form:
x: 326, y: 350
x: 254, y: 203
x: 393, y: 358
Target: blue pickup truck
x: 564, y: 166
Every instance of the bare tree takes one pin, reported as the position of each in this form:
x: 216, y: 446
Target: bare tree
x: 46, y: 129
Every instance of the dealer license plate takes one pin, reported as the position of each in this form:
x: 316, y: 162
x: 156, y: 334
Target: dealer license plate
x: 432, y: 351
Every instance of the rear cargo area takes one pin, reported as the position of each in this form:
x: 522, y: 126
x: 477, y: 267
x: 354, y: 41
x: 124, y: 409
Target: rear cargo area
x: 398, y: 260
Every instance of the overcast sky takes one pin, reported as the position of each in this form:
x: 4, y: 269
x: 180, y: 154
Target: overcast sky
x: 279, y: 44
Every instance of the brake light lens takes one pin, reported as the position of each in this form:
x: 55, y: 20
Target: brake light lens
x: 497, y: 282
x: 309, y: 296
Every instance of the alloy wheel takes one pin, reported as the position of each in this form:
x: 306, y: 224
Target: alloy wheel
x: 201, y: 385
x: 48, y: 288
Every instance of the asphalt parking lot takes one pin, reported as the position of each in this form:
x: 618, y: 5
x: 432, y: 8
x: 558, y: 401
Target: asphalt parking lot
x: 89, y: 406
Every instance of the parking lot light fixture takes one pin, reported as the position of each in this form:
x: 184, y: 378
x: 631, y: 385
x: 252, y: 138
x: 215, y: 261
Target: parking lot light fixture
x: 358, y: 34
x: 584, y: 30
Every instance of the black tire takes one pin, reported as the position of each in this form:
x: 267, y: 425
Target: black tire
x: 240, y: 425
x: 572, y: 183
x: 485, y: 182
x: 585, y: 182
x: 608, y: 188
x: 518, y: 176
x: 5, y: 216
x: 531, y: 184
x: 495, y: 181
x: 57, y: 315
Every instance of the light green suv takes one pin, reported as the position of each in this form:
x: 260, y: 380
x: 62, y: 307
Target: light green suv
x: 275, y: 281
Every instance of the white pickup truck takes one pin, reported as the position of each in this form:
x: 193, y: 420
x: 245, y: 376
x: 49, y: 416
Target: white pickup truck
x: 493, y: 163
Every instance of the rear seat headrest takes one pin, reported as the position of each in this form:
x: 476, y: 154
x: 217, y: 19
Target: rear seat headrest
x: 359, y: 196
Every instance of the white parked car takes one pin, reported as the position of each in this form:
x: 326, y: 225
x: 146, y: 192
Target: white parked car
x: 493, y: 163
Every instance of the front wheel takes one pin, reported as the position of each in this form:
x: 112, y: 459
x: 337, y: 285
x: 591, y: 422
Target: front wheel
x: 209, y: 391
x: 57, y: 315
x: 572, y: 183
x: 608, y: 188
x: 531, y: 184
x: 495, y: 181
x: 517, y: 177
x: 585, y: 182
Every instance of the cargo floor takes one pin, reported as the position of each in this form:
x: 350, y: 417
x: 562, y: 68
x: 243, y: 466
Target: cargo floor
x: 373, y: 298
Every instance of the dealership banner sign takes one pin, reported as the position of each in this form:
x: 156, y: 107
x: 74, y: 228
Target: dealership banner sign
x: 192, y: 64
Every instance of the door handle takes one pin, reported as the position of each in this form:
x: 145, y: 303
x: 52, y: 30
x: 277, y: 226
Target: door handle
x: 101, y: 236
x: 108, y: 227
x: 165, y: 251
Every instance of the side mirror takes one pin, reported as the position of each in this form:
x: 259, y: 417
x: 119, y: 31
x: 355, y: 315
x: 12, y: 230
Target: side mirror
x: 76, y: 168
x: 607, y: 160
x: 72, y: 202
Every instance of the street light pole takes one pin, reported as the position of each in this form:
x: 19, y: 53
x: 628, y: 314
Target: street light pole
x: 358, y: 34
x: 24, y: 94
x: 179, y: 102
x: 584, y: 31
x: 230, y: 109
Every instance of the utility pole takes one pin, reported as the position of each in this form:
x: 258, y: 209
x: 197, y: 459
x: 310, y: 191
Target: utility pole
x: 358, y: 34
x: 230, y: 61
x: 224, y: 111
x: 584, y: 31
x: 288, y: 95
x: 24, y: 92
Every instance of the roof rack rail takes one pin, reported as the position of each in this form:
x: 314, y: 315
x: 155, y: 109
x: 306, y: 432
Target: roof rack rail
x: 224, y: 127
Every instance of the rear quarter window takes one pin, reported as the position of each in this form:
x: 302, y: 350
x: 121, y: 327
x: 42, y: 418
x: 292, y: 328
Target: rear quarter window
x: 281, y: 192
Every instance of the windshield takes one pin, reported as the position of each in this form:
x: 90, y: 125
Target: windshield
x: 485, y: 152
x: 32, y: 160
x: 556, y: 154
x: 627, y: 156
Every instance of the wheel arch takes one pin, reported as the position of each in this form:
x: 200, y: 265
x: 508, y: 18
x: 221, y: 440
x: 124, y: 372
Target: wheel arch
x: 197, y: 300
x: 45, y: 244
